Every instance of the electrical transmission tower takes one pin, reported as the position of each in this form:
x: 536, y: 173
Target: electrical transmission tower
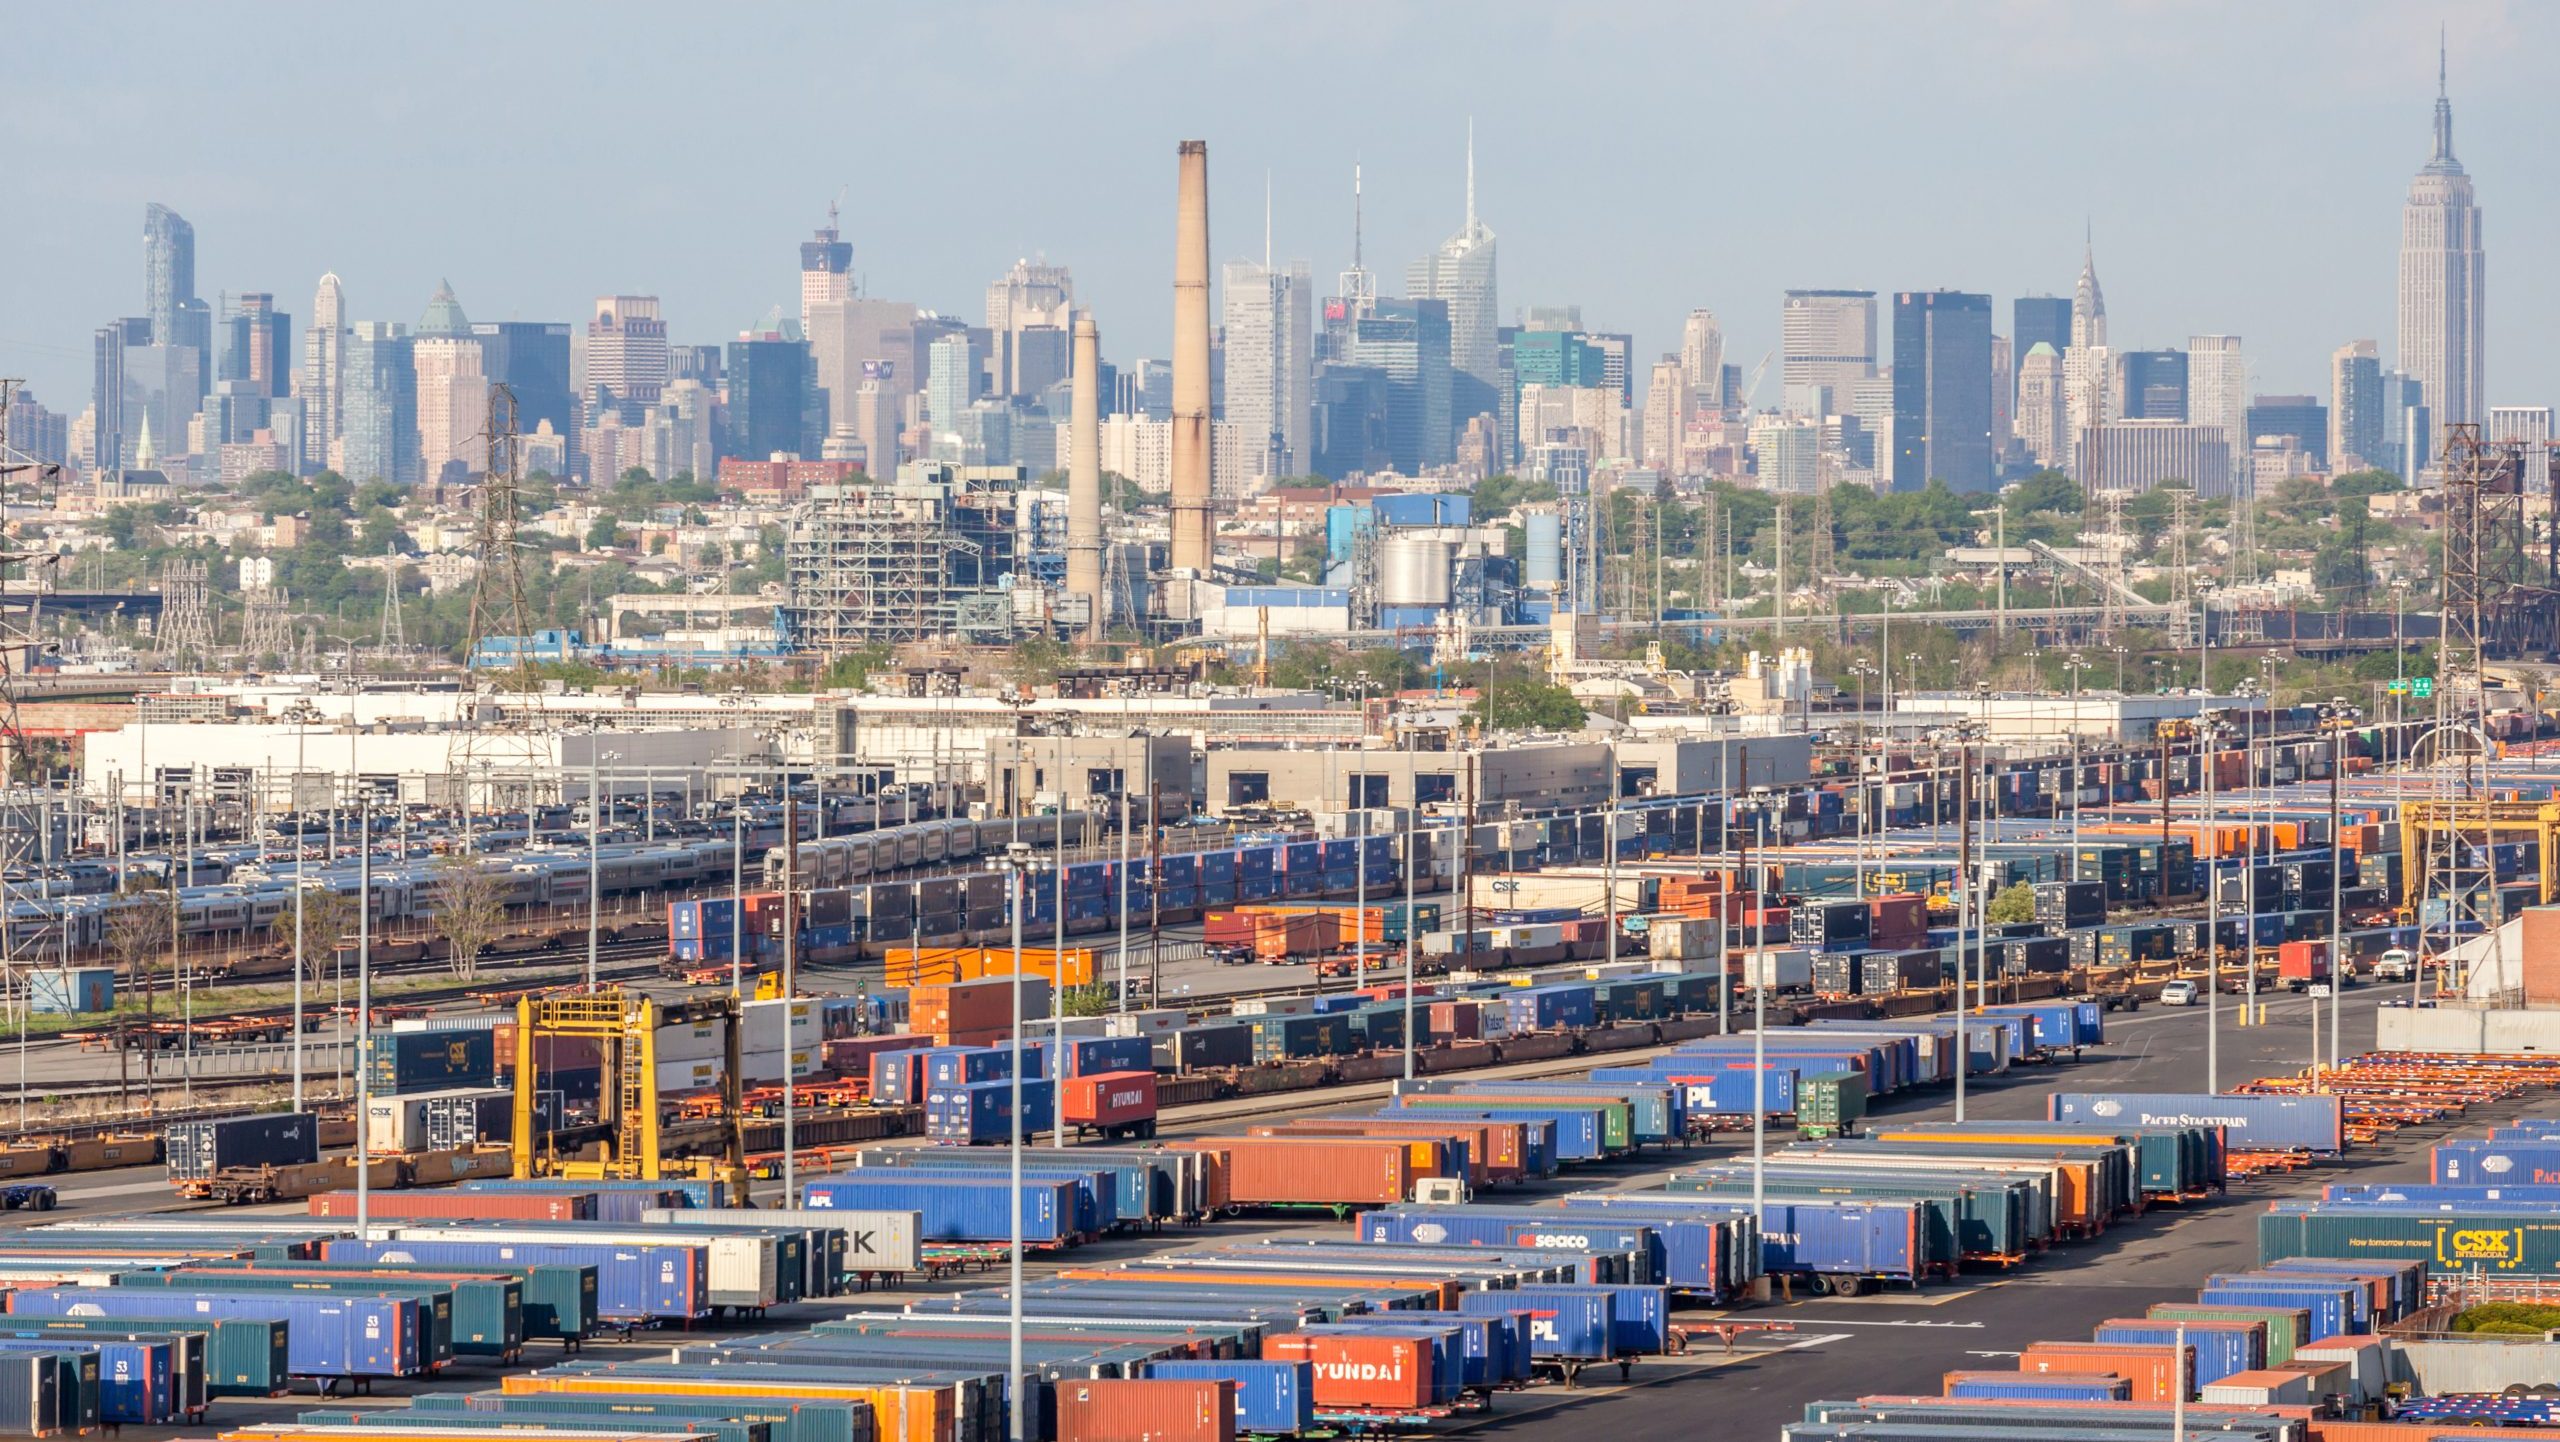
x: 21, y: 609
x: 394, y: 638
x: 501, y: 747
x: 186, y: 616
x: 266, y: 625
x: 2182, y: 587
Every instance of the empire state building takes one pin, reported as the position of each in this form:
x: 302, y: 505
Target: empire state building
x: 2443, y: 279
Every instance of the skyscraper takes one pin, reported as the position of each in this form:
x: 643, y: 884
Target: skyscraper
x: 1408, y: 341
x: 531, y: 357
x: 1666, y: 415
x: 168, y: 275
x: 378, y: 411
x: 112, y: 432
x: 1702, y: 362
x: 774, y: 404
x: 2045, y: 318
x: 1827, y: 341
x: 1460, y: 274
x: 2355, y: 406
x: 1269, y: 316
x: 627, y: 364
x: 2218, y: 395
x: 324, y: 371
x: 826, y: 270
x: 2043, y: 419
x: 2155, y: 385
x: 261, y: 338
x: 2443, y: 280
x: 452, y: 389
x: 2408, y: 430
x: 2087, y: 372
x: 1941, y: 390
x: 1030, y: 315
x: 2301, y: 418
x: 951, y: 382
x: 2529, y: 428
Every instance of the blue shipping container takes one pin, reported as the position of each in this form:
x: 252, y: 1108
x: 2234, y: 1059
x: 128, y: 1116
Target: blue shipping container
x: 1277, y: 1397
x: 953, y: 1209
x: 1578, y: 1324
x: 633, y: 1284
x: 2249, y: 1123
x: 326, y: 1334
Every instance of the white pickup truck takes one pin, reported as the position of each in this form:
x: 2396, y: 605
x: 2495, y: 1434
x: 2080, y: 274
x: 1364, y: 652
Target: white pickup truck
x: 2395, y: 965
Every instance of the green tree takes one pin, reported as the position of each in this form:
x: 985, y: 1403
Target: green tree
x: 604, y: 535
x: 2017, y: 903
x: 1090, y: 999
x: 1526, y: 703
x: 852, y: 672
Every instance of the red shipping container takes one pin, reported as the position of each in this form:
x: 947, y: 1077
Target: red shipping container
x: 1110, y: 1098
x: 1896, y: 921
x: 2154, y: 1371
x: 1359, y: 1370
x: 2304, y: 961
x: 1456, y: 1020
x: 461, y: 1206
x: 1227, y: 928
x: 1264, y: 1171
x: 851, y: 1055
x: 1168, y: 1410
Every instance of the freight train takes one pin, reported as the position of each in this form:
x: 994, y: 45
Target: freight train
x: 838, y: 923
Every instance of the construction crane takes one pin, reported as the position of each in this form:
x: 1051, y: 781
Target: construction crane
x: 1759, y: 373
x: 630, y: 1135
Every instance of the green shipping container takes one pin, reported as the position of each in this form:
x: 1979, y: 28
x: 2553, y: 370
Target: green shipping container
x: 792, y: 1421
x: 594, y: 1419
x: 2285, y: 1326
x: 1617, y: 1119
x: 1833, y: 1101
x: 2479, y: 1239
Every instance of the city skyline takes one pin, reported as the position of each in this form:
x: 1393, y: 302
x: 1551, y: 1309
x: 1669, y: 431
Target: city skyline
x: 2362, y: 133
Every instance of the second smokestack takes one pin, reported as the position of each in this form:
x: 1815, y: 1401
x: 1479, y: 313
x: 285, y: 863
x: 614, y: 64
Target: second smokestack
x: 1084, y: 477
x: 1192, y: 532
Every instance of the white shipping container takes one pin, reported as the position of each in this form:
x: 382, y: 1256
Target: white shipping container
x: 1272, y: 1006
x: 1146, y: 1023
x: 396, y: 1124
x: 874, y: 1241
x: 1780, y: 970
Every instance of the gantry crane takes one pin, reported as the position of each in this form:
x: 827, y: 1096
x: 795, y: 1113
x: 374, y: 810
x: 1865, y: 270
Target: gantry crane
x: 624, y: 1026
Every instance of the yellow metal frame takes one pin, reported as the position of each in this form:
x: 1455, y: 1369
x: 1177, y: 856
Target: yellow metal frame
x: 625, y: 1028
x: 2539, y: 820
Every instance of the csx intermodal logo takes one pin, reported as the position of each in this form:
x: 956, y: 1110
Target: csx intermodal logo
x: 2479, y: 1246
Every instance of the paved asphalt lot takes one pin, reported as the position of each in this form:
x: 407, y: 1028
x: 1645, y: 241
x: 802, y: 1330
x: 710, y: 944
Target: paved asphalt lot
x: 1892, y: 1343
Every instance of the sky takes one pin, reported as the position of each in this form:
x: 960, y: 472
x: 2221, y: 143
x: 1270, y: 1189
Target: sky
x: 2240, y: 165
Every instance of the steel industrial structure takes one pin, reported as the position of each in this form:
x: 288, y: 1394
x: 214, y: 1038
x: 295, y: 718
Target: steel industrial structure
x: 918, y: 559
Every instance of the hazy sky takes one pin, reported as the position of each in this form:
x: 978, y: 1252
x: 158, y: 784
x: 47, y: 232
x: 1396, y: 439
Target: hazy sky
x: 2243, y: 164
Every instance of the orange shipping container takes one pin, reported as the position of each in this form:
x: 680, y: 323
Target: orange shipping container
x: 2154, y: 1371
x: 898, y: 1413
x: 1278, y: 936
x: 1471, y: 1137
x: 1312, y: 1171
x: 1118, y: 1410
x: 1356, y: 1371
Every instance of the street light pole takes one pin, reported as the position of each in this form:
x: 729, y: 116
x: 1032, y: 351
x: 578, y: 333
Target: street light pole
x: 2208, y: 736
x: 364, y: 1014
x: 1017, y: 859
